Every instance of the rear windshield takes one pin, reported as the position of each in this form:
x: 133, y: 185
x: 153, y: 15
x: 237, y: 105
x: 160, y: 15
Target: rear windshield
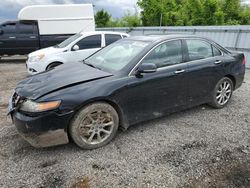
x: 68, y: 41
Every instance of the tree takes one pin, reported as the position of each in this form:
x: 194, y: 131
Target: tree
x: 153, y: 10
x: 130, y: 20
x: 102, y: 18
x: 220, y: 17
x: 245, y: 15
x: 211, y: 12
x: 231, y: 8
x: 193, y: 12
x: 180, y: 13
x: 171, y: 13
x: 114, y: 23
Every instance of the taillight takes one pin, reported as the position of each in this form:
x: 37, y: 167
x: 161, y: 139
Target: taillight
x: 244, y: 62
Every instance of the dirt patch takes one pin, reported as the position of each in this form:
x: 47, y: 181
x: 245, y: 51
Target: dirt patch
x: 53, y: 180
x: 3, y: 106
x: 178, y: 156
x: 195, y: 145
x: 97, y: 167
x: 83, y: 182
x: 229, y: 173
x: 48, y: 163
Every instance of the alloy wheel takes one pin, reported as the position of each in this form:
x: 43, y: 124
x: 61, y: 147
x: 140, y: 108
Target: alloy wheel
x: 96, y: 127
x: 224, y: 92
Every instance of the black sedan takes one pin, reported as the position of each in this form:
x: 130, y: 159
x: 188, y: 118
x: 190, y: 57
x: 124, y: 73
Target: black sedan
x: 132, y: 80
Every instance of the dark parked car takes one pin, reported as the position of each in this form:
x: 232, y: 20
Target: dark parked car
x: 22, y: 37
x: 130, y: 81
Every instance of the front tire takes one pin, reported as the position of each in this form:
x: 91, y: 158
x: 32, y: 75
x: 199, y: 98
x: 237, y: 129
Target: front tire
x: 222, y: 93
x: 94, y: 125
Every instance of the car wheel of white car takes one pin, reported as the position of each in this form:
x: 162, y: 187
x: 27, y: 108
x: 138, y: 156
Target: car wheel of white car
x: 53, y: 65
x: 94, y: 126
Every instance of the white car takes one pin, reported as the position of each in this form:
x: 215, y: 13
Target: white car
x: 75, y: 48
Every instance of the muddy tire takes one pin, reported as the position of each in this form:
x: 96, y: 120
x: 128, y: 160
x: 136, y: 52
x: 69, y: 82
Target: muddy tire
x: 222, y: 93
x: 94, y: 126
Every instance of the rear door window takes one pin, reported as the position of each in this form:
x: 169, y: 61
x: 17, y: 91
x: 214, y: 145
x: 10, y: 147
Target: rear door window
x: 89, y: 42
x: 198, y: 49
x: 110, y: 38
x: 26, y: 28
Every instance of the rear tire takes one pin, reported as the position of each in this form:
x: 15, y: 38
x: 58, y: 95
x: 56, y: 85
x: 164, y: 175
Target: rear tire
x: 94, y: 126
x: 222, y: 93
x: 53, y: 65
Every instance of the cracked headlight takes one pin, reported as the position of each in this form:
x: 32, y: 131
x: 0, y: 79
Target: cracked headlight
x: 31, y: 106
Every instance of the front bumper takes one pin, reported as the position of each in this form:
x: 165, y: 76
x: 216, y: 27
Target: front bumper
x: 30, y: 68
x: 35, y: 67
x: 44, y: 130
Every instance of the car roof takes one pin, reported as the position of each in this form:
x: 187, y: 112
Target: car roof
x: 16, y: 21
x: 9, y: 22
x: 102, y: 32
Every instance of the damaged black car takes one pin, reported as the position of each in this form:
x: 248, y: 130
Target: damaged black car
x: 130, y: 81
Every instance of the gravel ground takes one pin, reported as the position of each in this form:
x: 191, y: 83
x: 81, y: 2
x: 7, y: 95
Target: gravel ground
x: 199, y: 147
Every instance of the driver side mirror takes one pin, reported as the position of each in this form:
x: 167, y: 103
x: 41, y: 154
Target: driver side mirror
x: 146, y: 68
x: 1, y: 32
x: 75, y: 48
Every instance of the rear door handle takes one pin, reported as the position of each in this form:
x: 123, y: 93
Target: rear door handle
x: 32, y: 37
x: 12, y: 37
x: 218, y: 62
x: 179, y: 71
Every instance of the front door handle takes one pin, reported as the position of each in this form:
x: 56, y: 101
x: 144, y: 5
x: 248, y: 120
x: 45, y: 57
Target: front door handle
x: 12, y: 37
x: 179, y: 71
x: 218, y: 62
x: 32, y: 37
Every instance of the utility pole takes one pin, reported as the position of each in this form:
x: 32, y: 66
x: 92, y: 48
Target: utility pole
x: 161, y: 20
x: 161, y: 16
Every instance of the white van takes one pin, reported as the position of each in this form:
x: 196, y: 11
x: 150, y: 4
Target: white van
x: 76, y: 48
x: 60, y: 19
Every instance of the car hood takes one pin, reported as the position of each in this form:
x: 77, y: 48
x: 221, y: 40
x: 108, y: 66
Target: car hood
x: 60, y: 77
x: 47, y: 51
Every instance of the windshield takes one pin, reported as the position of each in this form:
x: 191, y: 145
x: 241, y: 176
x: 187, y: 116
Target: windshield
x: 68, y: 41
x: 117, y: 55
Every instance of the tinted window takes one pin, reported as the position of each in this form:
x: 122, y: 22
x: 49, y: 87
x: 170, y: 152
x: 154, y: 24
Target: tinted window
x: 111, y: 38
x: 198, y: 49
x: 9, y: 28
x: 216, y: 52
x: 90, y: 42
x: 25, y: 28
x: 68, y: 41
x: 166, y: 54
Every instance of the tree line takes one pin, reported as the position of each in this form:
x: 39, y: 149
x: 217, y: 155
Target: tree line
x: 180, y: 13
